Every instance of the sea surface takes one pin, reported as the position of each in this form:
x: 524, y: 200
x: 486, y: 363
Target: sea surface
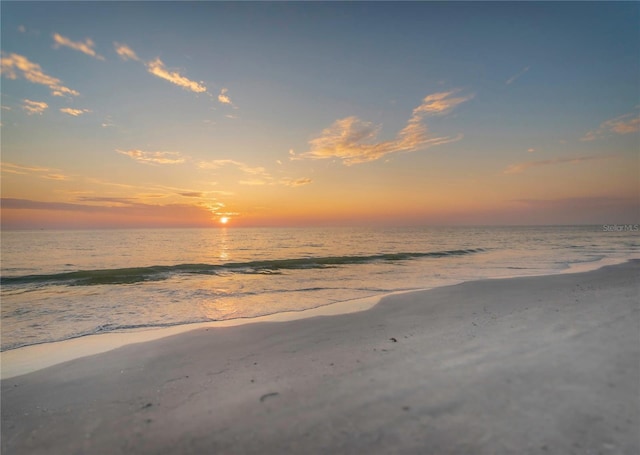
x: 57, y: 285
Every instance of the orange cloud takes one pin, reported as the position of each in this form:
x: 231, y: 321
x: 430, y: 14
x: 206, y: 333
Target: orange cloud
x: 85, y: 47
x: 157, y: 68
x: 224, y: 98
x: 295, y: 182
x: 154, y: 157
x: 352, y: 140
x: 22, y: 170
x: 440, y: 103
x: 13, y: 65
x: 40, y: 172
x: 74, y: 112
x: 215, y: 164
x: 125, y: 52
x: 34, y: 107
x: 120, y: 212
x: 624, y: 124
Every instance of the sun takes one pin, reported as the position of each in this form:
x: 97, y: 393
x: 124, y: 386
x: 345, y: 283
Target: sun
x: 224, y: 220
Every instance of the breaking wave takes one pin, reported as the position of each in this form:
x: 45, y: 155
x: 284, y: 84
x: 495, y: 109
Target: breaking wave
x: 133, y: 275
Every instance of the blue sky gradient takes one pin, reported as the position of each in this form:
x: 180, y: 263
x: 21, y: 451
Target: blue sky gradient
x: 180, y: 113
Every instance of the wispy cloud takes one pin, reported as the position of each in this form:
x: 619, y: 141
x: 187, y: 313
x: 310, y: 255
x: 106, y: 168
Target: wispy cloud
x: 256, y: 175
x: 624, y: 124
x: 516, y: 76
x: 12, y: 168
x: 125, y: 52
x: 295, y: 182
x: 55, y: 177
x: 107, y: 199
x: 216, y: 164
x: 224, y: 98
x: 196, y: 194
x: 154, y: 157
x: 40, y: 172
x: 440, y: 103
x: 34, y: 107
x: 521, y: 167
x: 157, y: 68
x: 108, y: 122
x: 353, y: 140
x: 120, y: 212
x: 74, y: 112
x: 86, y: 46
x: 14, y: 65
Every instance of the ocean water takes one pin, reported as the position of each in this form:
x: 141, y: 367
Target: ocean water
x: 57, y: 285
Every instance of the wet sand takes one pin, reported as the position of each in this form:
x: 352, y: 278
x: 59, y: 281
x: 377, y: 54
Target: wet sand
x: 540, y: 365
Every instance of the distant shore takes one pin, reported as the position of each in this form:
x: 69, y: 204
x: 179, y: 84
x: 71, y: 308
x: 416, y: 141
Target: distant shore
x: 546, y: 364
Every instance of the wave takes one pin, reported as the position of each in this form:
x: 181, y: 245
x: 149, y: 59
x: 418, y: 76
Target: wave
x: 133, y: 275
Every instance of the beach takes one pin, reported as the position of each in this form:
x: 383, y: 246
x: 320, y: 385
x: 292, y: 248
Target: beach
x: 533, y: 365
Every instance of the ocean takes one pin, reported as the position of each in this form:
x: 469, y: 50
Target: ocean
x: 57, y: 285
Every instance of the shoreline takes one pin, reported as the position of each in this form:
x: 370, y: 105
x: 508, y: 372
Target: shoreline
x: 535, y: 365
x: 27, y: 359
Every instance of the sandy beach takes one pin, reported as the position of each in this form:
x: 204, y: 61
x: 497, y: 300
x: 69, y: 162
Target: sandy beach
x: 539, y: 365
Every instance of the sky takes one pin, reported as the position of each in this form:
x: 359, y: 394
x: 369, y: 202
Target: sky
x: 180, y: 114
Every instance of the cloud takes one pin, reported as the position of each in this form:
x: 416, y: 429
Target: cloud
x: 296, y: 182
x: 513, y: 78
x: 224, y: 98
x: 125, y: 52
x: 41, y: 172
x: 440, y: 103
x: 521, y: 167
x: 197, y: 194
x: 34, y: 107
x: 108, y: 122
x: 154, y: 157
x: 257, y: 175
x: 624, y: 124
x: 216, y: 164
x: 102, y: 199
x: 531, y: 150
x: 14, y: 65
x: 353, y: 140
x: 55, y: 177
x: 22, y: 170
x: 117, y: 212
x: 74, y: 112
x: 85, y: 47
x: 157, y: 68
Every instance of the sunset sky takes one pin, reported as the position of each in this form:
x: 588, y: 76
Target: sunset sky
x: 161, y: 114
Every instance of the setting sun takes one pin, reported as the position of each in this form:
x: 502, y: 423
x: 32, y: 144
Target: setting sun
x: 224, y: 220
